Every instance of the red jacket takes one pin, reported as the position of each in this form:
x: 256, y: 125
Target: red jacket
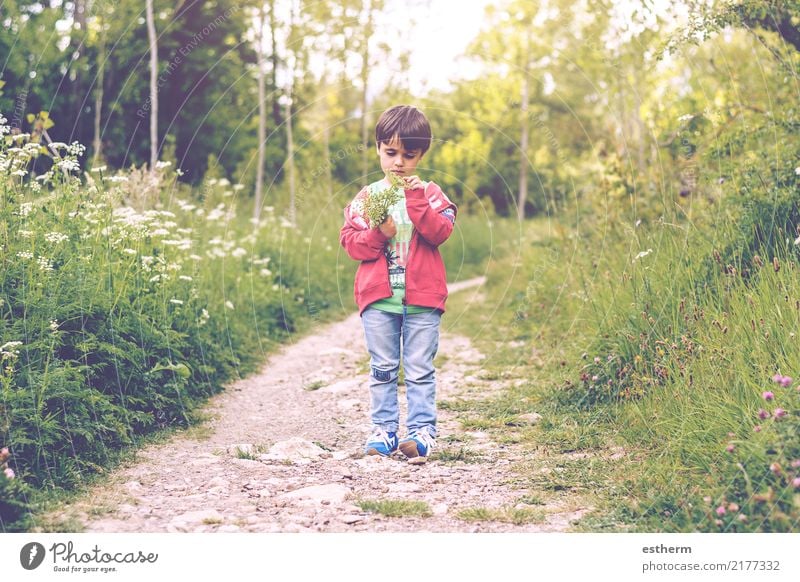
x: 426, y: 280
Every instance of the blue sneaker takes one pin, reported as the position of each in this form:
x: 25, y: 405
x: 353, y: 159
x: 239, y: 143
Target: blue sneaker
x: 381, y: 442
x: 417, y: 446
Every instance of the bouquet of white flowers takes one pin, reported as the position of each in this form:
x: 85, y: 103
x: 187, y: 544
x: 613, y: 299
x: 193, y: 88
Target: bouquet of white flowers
x: 378, y: 202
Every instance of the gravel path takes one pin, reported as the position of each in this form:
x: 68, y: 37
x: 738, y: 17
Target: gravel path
x: 282, y: 453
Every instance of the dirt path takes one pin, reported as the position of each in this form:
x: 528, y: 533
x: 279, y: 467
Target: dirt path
x: 282, y: 453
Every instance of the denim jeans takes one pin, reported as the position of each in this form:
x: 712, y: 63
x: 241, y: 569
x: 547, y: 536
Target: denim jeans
x: 419, y: 334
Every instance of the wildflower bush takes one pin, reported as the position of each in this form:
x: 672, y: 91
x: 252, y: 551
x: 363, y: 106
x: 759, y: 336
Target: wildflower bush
x: 125, y: 301
x: 758, y: 486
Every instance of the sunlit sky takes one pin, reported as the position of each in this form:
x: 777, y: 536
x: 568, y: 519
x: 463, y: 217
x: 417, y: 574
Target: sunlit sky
x: 442, y: 31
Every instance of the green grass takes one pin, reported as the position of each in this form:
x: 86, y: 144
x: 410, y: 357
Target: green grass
x: 665, y: 356
x: 395, y: 507
x: 516, y: 516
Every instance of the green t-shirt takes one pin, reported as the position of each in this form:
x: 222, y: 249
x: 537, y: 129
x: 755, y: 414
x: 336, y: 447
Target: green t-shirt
x: 396, y: 253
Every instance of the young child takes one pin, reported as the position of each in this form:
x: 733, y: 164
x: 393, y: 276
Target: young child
x: 401, y: 285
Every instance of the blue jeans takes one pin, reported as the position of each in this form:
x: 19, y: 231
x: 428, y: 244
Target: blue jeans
x: 419, y: 334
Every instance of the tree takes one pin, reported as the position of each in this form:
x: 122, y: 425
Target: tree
x: 151, y: 35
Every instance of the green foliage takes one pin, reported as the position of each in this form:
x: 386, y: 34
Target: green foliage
x: 118, y: 318
x: 14, y: 493
x: 396, y: 507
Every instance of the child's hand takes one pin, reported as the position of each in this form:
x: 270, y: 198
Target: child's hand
x: 388, y: 227
x: 413, y: 182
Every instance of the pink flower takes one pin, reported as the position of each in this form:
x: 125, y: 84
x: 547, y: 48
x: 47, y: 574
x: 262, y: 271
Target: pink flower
x: 777, y: 378
x: 757, y: 428
x: 9, y: 472
x: 707, y: 499
x: 768, y: 395
x: 763, y: 414
x: 796, y: 463
x: 742, y: 517
x: 721, y: 510
x: 786, y: 381
x: 796, y: 482
x: 733, y: 507
x: 730, y: 448
x: 779, y: 413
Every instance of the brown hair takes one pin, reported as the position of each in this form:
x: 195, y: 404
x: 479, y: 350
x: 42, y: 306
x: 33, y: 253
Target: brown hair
x: 406, y: 122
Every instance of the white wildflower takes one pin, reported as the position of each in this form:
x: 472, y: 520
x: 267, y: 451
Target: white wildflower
x: 9, y: 350
x: 20, y: 173
x: 44, y: 264
x: 196, y: 257
x: 54, y: 325
x: 159, y: 232
x: 224, y: 182
x: 797, y: 170
x: 176, y: 301
x: 115, y: 179
x: 25, y: 233
x: 155, y: 278
x: 56, y: 145
x: 76, y: 148
x: 25, y: 255
x: 265, y: 272
x: 204, y: 317
x: 238, y: 187
x: 185, y: 278
x: 130, y: 251
x: 99, y: 169
x: 642, y: 255
x: 179, y: 172
x: 160, y: 165
x: 229, y: 305
x: 239, y: 252
x: 25, y: 208
x: 56, y: 237
x: 68, y: 165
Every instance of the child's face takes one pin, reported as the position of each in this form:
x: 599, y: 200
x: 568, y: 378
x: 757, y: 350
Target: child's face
x: 395, y: 158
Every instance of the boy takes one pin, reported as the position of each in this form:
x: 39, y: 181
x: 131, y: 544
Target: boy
x: 401, y: 285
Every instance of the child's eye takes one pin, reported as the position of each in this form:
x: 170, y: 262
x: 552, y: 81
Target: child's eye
x: 411, y: 156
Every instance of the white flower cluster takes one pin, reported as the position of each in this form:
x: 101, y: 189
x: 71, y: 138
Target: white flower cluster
x: 10, y: 350
x: 56, y: 237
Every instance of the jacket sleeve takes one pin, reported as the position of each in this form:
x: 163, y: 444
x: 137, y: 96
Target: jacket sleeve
x: 361, y: 245
x: 431, y: 224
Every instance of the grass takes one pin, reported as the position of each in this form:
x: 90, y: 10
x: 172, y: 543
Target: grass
x: 517, y: 516
x: 462, y: 455
x: 396, y: 507
x: 664, y: 357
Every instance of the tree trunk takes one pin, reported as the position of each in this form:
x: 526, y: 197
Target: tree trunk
x: 97, y: 143
x: 273, y: 24
x: 523, y: 139
x: 289, y: 129
x: 364, y: 81
x: 262, y: 117
x: 151, y: 35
